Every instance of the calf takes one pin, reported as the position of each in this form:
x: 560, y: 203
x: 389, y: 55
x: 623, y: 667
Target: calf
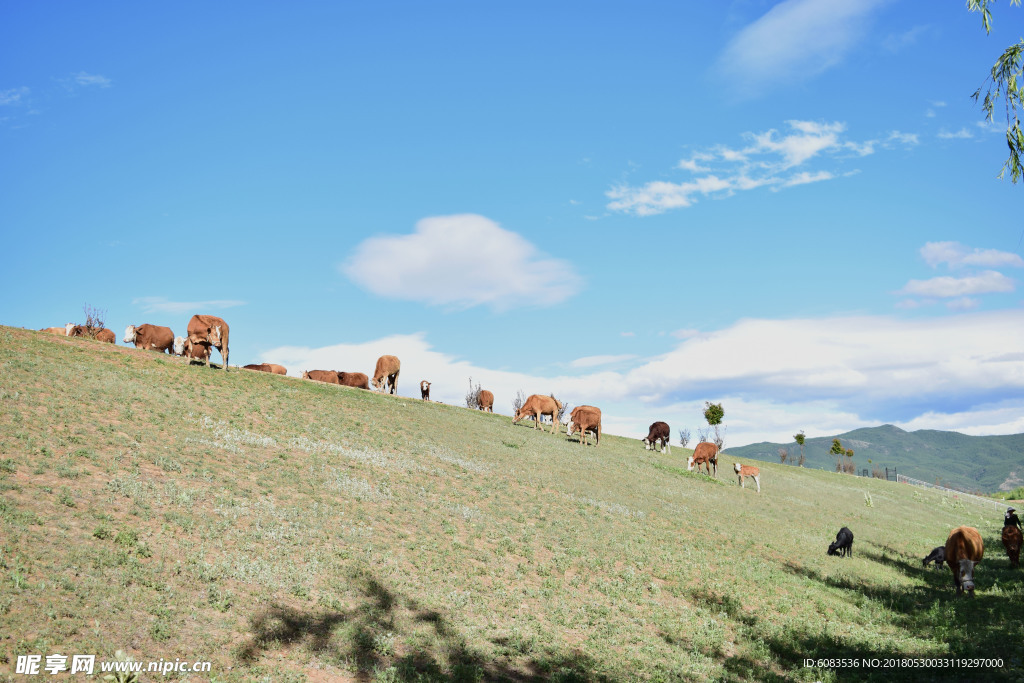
x: 183, y: 346
x: 102, y: 334
x: 936, y: 556
x: 964, y: 550
x: 425, y: 390
x: 843, y: 545
x: 744, y: 471
x: 150, y: 337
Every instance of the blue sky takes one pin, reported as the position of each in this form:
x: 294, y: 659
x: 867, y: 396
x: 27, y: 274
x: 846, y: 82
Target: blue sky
x: 789, y: 207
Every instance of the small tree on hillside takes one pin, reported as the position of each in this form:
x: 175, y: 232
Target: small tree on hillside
x: 713, y: 413
x: 518, y: 401
x: 799, y: 438
x: 473, y: 395
x: 783, y: 455
x: 838, y: 451
x: 684, y: 437
x: 561, y: 411
x: 95, y: 320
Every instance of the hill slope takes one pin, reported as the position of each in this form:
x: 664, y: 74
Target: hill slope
x: 983, y: 463
x: 287, y: 531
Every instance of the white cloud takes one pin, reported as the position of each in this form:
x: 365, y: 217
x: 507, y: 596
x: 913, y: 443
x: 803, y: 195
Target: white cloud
x: 764, y: 162
x: 794, y: 41
x: 85, y: 80
x: 159, y: 304
x: 955, y: 255
x: 987, y: 282
x: 461, y: 261
x: 964, y: 303
x: 13, y: 96
x: 775, y: 377
x: 593, y: 361
x: 903, y: 138
x: 962, y: 134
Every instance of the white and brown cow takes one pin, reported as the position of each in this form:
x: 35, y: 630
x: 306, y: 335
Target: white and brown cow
x: 706, y: 453
x: 385, y: 376
x: 747, y: 471
x: 150, y: 337
x: 964, y: 550
x: 585, y: 419
x: 537, y: 406
x: 210, y: 331
x: 485, y: 401
x: 658, y: 431
x: 425, y: 390
x: 183, y: 346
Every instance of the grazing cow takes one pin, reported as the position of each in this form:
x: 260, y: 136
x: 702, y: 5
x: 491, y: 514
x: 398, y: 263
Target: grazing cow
x: 706, y: 453
x: 485, y: 401
x: 658, y: 431
x: 425, y: 390
x: 150, y: 337
x: 1011, y: 541
x: 585, y: 419
x: 964, y: 550
x: 62, y: 331
x: 359, y: 380
x: 843, y: 545
x: 745, y: 471
x: 936, y: 556
x: 183, y: 346
x: 328, y: 376
x: 210, y: 331
x: 538, y: 406
x: 385, y: 376
x: 102, y: 334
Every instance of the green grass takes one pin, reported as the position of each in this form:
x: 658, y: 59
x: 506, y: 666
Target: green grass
x: 287, y: 530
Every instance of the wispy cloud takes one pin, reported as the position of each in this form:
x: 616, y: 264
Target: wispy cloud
x: 956, y: 255
x: 85, y: 80
x: 795, y: 41
x: 461, y: 261
x: 13, y: 96
x: 769, y: 159
x: 962, y: 134
x: 988, y: 282
x: 159, y: 304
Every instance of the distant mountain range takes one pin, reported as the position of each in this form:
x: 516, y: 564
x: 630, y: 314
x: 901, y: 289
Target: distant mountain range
x: 972, y: 463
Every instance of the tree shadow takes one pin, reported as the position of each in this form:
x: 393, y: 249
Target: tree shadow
x: 362, y: 638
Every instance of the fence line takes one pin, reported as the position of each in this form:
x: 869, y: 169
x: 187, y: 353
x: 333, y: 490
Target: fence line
x: 997, y: 504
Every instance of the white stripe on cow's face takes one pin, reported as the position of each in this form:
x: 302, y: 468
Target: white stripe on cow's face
x: 129, y: 334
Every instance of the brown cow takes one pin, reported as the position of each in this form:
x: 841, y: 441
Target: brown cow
x: 259, y: 367
x: 210, y: 330
x: 706, y: 454
x: 328, y: 376
x: 102, y: 334
x: 585, y: 419
x: 62, y: 331
x: 359, y: 380
x: 485, y: 401
x: 1012, y: 541
x: 277, y: 369
x: 425, y: 390
x: 386, y: 374
x: 150, y: 337
x: 658, y: 431
x: 755, y: 474
x: 538, y: 406
x: 964, y: 550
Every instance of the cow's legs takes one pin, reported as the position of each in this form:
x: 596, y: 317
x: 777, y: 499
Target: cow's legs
x: 757, y: 480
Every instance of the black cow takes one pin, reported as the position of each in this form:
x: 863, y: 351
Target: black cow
x: 843, y: 545
x: 938, y: 556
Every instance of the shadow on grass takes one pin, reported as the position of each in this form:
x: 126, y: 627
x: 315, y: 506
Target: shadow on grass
x: 362, y: 640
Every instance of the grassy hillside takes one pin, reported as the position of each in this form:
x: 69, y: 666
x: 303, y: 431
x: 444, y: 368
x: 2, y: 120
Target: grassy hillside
x: 975, y: 463
x: 292, y: 531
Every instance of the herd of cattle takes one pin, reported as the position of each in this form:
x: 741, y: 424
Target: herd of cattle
x: 963, y: 549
